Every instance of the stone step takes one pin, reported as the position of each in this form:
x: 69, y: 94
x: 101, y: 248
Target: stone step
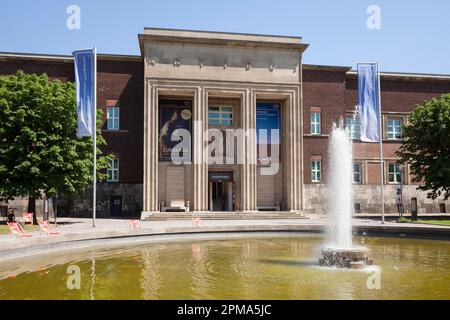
x: 224, y: 216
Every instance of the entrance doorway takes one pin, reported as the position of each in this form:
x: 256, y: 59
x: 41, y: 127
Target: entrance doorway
x: 115, y: 206
x: 221, y: 188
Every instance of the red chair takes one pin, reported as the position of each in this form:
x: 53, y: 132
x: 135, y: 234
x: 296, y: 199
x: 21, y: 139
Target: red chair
x: 17, y: 229
x: 135, y: 224
x: 27, y: 218
x: 47, y: 228
x: 196, y: 221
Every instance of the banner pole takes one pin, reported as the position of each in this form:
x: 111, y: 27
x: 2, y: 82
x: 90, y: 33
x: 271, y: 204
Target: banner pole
x: 94, y: 189
x: 381, y: 144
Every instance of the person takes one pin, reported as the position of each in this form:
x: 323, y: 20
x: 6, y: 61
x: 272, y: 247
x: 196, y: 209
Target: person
x: 11, y: 215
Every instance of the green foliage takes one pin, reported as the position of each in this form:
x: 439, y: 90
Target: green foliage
x: 403, y: 220
x: 39, y: 149
x: 427, y: 146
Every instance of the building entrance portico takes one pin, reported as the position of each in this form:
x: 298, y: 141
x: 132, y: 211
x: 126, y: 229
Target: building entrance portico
x: 205, y: 90
x: 221, y: 191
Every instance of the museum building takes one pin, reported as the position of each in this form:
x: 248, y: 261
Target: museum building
x: 272, y: 114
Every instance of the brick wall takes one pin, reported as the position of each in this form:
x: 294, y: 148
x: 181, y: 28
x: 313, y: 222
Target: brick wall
x: 330, y: 91
x: 335, y: 94
x: 117, y: 79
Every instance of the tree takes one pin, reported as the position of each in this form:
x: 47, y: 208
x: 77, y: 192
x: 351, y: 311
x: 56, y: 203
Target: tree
x: 426, y: 146
x: 40, y: 153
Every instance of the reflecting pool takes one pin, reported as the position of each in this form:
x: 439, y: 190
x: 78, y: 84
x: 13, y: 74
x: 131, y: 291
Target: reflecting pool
x: 261, y: 267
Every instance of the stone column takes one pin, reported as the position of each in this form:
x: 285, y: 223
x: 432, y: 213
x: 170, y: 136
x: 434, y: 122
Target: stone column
x: 199, y: 145
x: 293, y: 153
x: 150, y: 181
x: 249, y: 167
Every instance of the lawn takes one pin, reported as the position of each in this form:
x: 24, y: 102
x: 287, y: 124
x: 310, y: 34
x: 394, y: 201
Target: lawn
x: 4, y: 229
x: 433, y: 222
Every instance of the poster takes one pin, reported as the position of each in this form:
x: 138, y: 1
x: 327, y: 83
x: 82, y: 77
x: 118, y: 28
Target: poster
x: 172, y: 116
x: 267, y: 119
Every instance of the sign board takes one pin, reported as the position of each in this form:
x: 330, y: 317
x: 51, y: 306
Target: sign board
x: 220, y: 176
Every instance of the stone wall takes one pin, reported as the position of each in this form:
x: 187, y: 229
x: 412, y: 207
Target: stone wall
x: 368, y: 196
x: 20, y: 206
x: 81, y: 206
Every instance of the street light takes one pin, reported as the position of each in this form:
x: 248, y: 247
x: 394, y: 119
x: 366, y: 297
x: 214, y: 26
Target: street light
x: 400, y: 195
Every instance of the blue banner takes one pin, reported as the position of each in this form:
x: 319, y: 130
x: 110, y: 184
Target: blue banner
x: 369, y: 106
x: 267, y: 118
x: 85, y: 79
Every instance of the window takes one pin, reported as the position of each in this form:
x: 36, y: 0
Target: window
x: 113, y: 171
x: 394, y: 129
x: 357, y: 173
x: 220, y: 116
x: 315, y: 122
x: 352, y: 127
x: 395, y: 173
x: 315, y: 170
x: 113, y: 118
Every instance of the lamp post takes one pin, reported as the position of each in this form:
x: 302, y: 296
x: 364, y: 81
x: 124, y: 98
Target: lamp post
x: 400, y: 195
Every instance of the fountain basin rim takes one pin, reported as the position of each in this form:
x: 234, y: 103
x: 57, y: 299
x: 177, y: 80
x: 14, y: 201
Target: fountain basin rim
x: 351, y: 249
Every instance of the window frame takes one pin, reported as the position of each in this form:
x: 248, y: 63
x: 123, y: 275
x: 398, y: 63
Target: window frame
x: 359, y: 172
x: 395, y: 173
x: 316, y: 123
x: 351, y: 123
x: 394, y: 134
x: 316, y: 171
x: 113, y: 171
x: 112, y: 119
x: 220, y: 120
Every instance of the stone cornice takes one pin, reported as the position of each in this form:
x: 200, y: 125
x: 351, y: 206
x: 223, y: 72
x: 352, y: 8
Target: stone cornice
x: 221, y: 39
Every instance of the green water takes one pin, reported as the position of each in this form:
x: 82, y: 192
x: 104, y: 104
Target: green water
x: 270, y: 267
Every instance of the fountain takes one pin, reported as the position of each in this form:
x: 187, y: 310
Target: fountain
x: 341, y: 252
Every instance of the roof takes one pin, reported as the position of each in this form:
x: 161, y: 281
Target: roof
x: 405, y: 76
x: 221, y: 38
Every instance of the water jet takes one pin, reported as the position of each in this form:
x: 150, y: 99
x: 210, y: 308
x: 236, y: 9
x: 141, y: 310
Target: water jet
x: 341, y: 252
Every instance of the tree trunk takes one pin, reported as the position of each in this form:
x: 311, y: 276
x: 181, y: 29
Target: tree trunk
x: 32, y: 208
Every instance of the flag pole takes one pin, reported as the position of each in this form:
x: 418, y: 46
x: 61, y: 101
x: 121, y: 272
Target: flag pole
x: 94, y: 189
x: 381, y: 144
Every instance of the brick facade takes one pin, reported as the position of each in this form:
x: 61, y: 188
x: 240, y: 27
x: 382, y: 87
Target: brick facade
x: 121, y: 79
x: 332, y: 91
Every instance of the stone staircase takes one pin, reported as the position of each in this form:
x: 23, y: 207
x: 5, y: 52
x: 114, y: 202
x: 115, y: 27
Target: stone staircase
x: 228, y: 215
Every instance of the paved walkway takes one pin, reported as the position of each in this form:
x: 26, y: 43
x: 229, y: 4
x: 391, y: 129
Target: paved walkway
x: 77, y: 230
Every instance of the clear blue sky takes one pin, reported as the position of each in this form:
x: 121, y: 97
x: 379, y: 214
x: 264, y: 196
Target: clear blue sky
x: 414, y: 35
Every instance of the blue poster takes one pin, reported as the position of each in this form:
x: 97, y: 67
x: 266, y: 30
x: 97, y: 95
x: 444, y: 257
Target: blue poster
x: 173, y: 115
x: 267, y: 118
x: 85, y: 80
